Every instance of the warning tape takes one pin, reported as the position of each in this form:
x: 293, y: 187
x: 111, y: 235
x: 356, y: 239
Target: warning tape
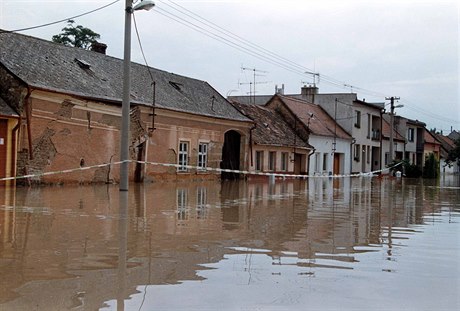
x: 83, y: 168
x: 211, y: 169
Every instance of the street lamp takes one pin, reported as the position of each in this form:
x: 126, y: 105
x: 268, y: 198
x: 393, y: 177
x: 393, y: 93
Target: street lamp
x: 125, y: 106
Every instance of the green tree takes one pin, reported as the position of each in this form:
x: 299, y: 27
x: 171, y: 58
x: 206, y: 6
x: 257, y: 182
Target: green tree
x: 431, y: 167
x: 77, y: 36
x: 454, y: 154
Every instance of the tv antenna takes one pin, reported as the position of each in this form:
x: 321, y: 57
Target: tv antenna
x: 252, y: 85
x: 315, y: 76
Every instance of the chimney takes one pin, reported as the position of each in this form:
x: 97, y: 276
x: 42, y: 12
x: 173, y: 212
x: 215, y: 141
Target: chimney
x: 279, y: 90
x: 99, y: 47
x: 308, y: 92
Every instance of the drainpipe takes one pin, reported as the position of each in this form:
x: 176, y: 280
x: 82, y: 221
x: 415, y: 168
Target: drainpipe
x: 28, y: 112
x: 353, y: 141
x: 250, y: 143
x: 381, y: 137
x: 312, y: 152
x: 14, y: 147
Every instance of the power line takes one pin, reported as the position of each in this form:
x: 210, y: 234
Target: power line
x: 209, y: 28
x: 141, y: 48
x: 214, y: 31
x: 59, y: 21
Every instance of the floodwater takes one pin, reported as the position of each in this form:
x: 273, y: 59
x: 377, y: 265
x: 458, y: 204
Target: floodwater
x: 321, y: 244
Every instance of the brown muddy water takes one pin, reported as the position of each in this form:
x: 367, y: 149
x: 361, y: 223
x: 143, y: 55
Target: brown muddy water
x: 321, y: 244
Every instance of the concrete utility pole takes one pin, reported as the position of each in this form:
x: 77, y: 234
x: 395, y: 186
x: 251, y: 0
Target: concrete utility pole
x: 126, y: 104
x: 392, y: 110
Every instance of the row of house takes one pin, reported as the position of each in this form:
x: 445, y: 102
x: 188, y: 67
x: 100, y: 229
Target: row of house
x: 60, y: 108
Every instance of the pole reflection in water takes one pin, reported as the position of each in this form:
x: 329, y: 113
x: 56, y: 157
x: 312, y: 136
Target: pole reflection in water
x: 317, y: 243
x: 122, y: 248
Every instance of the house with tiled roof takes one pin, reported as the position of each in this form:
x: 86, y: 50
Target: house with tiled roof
x: 414, y: 131
x: 360, y: 119
x: 331, y: 143
x: 274, y: 146
x: 447, y: 144
x: 69, y: 101
x: 399, y: 142
x: 431, y: 145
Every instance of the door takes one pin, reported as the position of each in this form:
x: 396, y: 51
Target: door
x: 336, y: 169
x: 300, y: 167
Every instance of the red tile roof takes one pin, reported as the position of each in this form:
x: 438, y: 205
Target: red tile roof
x: 429, y: 138
x: 315, y: 118
x: 386, y: 131
x: 271, y: 129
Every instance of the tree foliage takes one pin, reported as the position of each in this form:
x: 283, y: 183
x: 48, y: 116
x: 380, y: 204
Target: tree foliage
x: 454, y: 154
x: 431, y: 167
x: 77, y: 36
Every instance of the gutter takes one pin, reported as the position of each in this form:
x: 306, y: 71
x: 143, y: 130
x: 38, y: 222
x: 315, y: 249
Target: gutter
x: 14, y: 146
x: 312, y: 152
x: 250, y: 143
x: 28, y: 112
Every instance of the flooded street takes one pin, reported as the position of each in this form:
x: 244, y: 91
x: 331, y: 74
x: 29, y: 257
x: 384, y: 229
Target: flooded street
x: 319, y: 244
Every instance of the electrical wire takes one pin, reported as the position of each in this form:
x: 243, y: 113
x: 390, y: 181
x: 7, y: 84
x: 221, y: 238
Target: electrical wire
x: 300, y: 69
x: 59, y: 21
x: 141, y: 48
x: 214, y: 31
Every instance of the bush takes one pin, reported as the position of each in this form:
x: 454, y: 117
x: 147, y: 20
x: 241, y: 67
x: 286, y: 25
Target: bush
x: 431, y: 167
x: 412, y: 170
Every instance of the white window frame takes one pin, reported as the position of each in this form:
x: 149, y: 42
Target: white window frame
x: 259, y: 165
x: 284, y: 161
x: 202, y: 160
x: 182, y: 156
x: 411, y: 134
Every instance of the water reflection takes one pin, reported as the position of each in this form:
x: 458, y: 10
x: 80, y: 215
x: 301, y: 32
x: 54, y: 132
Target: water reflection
x: 93, y: 247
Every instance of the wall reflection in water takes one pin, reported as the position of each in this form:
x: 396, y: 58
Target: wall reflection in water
x: 83, y: 248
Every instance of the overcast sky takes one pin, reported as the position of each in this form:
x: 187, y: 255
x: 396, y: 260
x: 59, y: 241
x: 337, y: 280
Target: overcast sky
x: 376, y: 49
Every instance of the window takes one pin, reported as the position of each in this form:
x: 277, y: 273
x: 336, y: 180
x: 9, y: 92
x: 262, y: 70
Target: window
x: 358, y: 119
x: 387, y: 155
x: 183, y: 156
x: 272, y: 161
x: 284, y: 161
x: 317, y: 161
x: 410, y: 134
x: 325, y: 161
x: 357, y: 152
x: 202, y: 156
x: 259, y: 160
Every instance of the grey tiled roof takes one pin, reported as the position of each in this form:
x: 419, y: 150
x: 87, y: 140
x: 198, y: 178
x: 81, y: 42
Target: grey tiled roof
x: 6, y: 110
x: 271, y: 129
x: 51, y: 66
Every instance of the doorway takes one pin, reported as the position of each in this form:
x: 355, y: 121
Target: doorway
x: 300, y: 164
x: 336, y: 168
x: 231, y: 154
